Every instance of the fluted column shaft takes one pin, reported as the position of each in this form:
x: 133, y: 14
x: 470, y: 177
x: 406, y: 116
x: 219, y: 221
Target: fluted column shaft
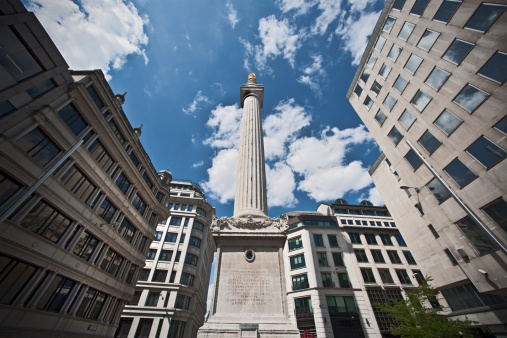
x: 250, y: 196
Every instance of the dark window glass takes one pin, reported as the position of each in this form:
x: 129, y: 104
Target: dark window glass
x: 368, y: 102
x: 79, y: 184
x: 101, y: 155
x: 368, y: 276
x: 398, y: 4
x: 389, y: 24
x: 322, y: 258
x: 358, y: 90
x: 92, y: 303
x: 380, y: 44
x: 337, y: 259
x: 355, y: 238
x: 194, y: 241
x: 419, y: 7
x: 56, y: 294
x: 485, y: 16
x: 370, y: 238
x: 429, y: 142
x: 144, y: 328
x: 8, y: 188
x: 395, y: 135
x: 437, y: 78
x: 390, y: 101
x: 150, y: 185
x: 107, y: 210
x: 151, y: 254
x: 460, y: 172
x: 403, y: 276
x: 377, y: 256
x: 6, y: 107
x: 191, y: 259
x: 303, y: 305
x: 72, y: 118
x: 175, y: 221
x: 408, y: 256
x: 384, y: 71
x: 413, y: 159
x: 400, y: 240
x: 428, y: 39
x: 413, y: 63
x: 187, y: 279
x: 112, y: 262
x: 124, y: 328
x: 85, y: 246
x: 386, y: 276
x: 407, y: 119
x: 376, y: 87
x: 182, y: 302
x: 386, y: 239
x: 171, y: 237
x: 197, y: 225
x: 400, y: 84
x: 297, y: 261
x: 486, y: 152
x: 371, y: 61
x: 380, y: 117
x: 446, y: 10
x: 143, y: 276
x: 95, y: 97
x: 327, y: 281
x: 496, y: 68
x: 165, y: 255
x: 438, y: 190
x: 365, y: 76
x: 394, y: 52
x: 159, y: 276
x: 497, y: 211
x: 451, y: 257
x: 134, y: 159
x: 176, y: 329
x: 477, y: 236
x: 406, y: 30
x: 466, y: 297
x: 39, y: 146
x: 46, y: 221
x: 393, y: 256
x: 123, y: 183
x: 457, y: 51
x: 318, y: 240
x: 333, y: 242
x: 117, y: 132
x: 139, y: 204
x: 338, y: 304
x: 470, y: 97
x: 448, y: 122
x: 300, y: 282
x: 135, y: 299
x: 14, y: 276
x: 433, y: 231
x: 361, y: 256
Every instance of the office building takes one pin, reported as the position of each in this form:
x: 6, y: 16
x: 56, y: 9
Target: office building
x: 430, y: 87
x: 341, y: 260
x: 171, y: 293
x: 79, y: 197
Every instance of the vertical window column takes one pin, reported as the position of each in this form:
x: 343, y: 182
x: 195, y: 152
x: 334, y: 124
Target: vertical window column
x: 78, y: 299
x: 28, y: 289
x: 70, y: 298
x: 77, y: 235
x: 42, y: 287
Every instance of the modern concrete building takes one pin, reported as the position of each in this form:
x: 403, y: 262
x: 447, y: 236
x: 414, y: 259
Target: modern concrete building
x: 431, y: 89
x: 171, y: 293
x: 79, y: 197
x: 339, y: 261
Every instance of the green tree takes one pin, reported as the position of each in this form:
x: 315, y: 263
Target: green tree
x: 415, y: 318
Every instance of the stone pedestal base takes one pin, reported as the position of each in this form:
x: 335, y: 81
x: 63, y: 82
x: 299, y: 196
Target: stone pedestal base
x: 249, y: 294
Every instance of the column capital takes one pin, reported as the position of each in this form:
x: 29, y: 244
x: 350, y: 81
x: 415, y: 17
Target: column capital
x: 252, y: 89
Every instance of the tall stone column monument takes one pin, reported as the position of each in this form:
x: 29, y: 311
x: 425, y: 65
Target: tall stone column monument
x: 249, y: 292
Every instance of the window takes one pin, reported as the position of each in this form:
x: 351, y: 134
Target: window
x: 368, y: 102
x: 502, y: 125
x: 175, y: 221
x: 327, y: 281
x: 300, y: 282
x: 361, y: 256
x: 395, y: 135
x: 8, y: 188
x: 393, y: 257
x: 428, y: 40
x: 106, y: 210
x: 371, y: 61
x: 460, y: 172
x: 182, y: 302
x: 407, y: 119
x: 322, y: 258
x: 117, y: 132
x: 355, y: 238
x: 376, y: 87
x: 39, y: 146
x: 400, y: 240
x: 158, y: 235
x: 394, y: 52
x: 151, y: 254
x: 337, y: 304
x: 297, y: 262
x: 495, y: 69
x: 123, y: 183
x: 497, y: 211
x: 197, y: 225
x: 343, y: 280
x: 303, y: 305
x: 429, y: 142
x: 437, y: 78
x: 390, y: 101
x: 187, y: 279
x: 295, y: 243
x: 419, y: 7
x: 433, y: 231
x: 191, y: 259
x: 78, y: 184
x: 406, y: 30
x: 384, y: 71
x: 91, y: 305
x: 358, y: 90
x: 486, y: 152
x: 333, y: 242
x: 85, y: 246
x: 99, y: 152
x: 135, y: 298
x: 400, y: 84
x: 337, y: 259
x: 485, y: 16
x: 112, y: 262
x: 408, y: 256
x: 380, y: 117
x: 176, y: 329
x: 200, y: 211
x: 318, y: 240
x: 477, y: 236
x: 448, y: 122
x: 72, y: 118
x: 123, y: 328
x: 389, y: 24
x: 398, y: 4
x: 171, y: 237
x: 46, y: 221
x: 413, y: 159
x: 457, y: 51
x: 377, y: 256
x: 438, y: 190
x: 451, y: 257
x: 380, y: 44
x: 413, y: 63
x: 370, y: 239
x: 386, y: 239
x: 386, y: 277
x: 365, y: 76
x: 143, y: 276
x: 95, y: 97
x: 139, y: 204
x: 470, y: 97
x: 466, y: 296
x: 195, y: 241
x: 56, y: 294
x: 403, y: 276
x: 368, y: 276
x: 182, y: 238
x: 159, y: 276
x: 14, y: 276
x: 447, y: 10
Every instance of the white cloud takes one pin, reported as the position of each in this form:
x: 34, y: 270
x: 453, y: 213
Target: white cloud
x: 282, y: 128
x: 373, y: 196
x: 195, y: 103
x: 232, y: 14
x: 222, y: 175
x: 299, y: 6
x: 188, y: 40
x: 355, y: 33
x: 198, y: 164
x: 313, y: 74
x: 330, y: 11
x: 280, y: 185
x: 108, y: 31
x: 225, y: 122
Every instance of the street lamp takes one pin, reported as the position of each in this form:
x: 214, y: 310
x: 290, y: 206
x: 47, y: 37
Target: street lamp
x: 418, y: 206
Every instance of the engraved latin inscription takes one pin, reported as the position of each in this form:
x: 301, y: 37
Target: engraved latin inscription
x: 247, y: 287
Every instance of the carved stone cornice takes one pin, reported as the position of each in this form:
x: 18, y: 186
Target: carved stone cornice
x: 233, y: 224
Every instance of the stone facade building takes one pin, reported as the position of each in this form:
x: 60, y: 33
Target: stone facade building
x: 339, y: 261
x: 431, y: 89
x: 171, y: 293
x: 79, y: 197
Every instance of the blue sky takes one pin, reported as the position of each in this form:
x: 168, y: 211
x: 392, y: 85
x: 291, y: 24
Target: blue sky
x: 182, y: 63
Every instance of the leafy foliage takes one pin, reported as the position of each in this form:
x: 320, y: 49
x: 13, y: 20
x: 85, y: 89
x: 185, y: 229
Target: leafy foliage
x: 415, y: 318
